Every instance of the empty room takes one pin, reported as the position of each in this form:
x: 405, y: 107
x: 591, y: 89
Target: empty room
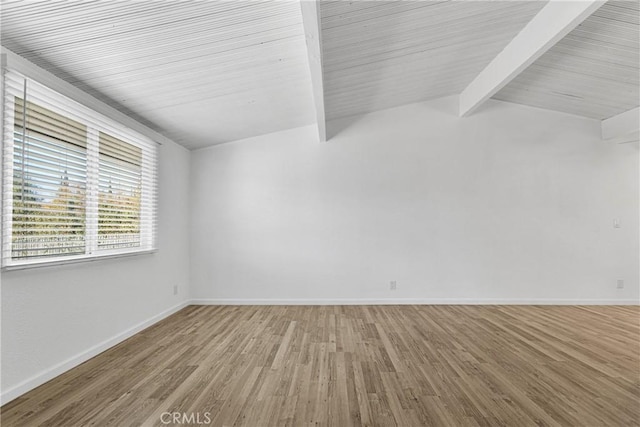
x: 320, y: 213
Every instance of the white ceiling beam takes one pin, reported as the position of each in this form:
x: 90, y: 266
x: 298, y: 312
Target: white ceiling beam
x: 624, y: 127
x: 554, y: 21
x: 311, y: 21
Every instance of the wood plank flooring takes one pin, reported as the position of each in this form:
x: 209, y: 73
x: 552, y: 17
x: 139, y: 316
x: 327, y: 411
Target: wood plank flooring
x: 357, y: 366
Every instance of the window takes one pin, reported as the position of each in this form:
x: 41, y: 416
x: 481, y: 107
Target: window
x: 75, y: 185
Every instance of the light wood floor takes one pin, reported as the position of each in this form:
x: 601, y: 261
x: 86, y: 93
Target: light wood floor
x: 358, y: 365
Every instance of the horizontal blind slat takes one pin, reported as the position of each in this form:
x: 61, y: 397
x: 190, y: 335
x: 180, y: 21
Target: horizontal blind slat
x: 46, y: 122
x: 68, y: 193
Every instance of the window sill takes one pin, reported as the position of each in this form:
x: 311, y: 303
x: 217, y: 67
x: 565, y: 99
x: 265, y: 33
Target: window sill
x: 75, y: 260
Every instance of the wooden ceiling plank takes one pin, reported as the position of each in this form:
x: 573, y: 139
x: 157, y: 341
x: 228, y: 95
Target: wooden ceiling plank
x: 555, y: 20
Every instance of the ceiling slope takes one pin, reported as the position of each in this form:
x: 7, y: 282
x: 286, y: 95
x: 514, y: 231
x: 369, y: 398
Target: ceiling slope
x: 550, y: 25
x: 380, y: 54
x: 208, y: 72
x: 201, y: 73
x: 594, y: 71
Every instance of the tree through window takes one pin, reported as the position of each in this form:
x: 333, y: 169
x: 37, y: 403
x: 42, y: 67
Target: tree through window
x: 77, y: 184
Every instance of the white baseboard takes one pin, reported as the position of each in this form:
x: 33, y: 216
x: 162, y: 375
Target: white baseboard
x: 412, y: 301
x: 76, y: 360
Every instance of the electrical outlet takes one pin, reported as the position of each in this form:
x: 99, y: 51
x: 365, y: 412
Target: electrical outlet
x: 616, y: 223
x: 620, y: 284
x: 175, y: 289
x: 393, y: 285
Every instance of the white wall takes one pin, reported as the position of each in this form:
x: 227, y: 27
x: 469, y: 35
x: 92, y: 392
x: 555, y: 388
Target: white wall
x: 56, y: 317
x: 513, y: 204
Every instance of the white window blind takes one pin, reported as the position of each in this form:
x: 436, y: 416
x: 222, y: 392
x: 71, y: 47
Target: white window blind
x: 75, y: 184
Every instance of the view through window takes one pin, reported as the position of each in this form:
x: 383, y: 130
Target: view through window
x: 78, y: 185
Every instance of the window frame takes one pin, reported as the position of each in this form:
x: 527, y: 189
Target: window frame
x: 98, y: 122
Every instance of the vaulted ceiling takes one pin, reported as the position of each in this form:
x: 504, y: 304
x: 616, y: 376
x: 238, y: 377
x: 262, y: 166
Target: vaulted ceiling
x: 201, y: 73
x: 204, y: 73
x: 592, y: 72
x: 380, y: 54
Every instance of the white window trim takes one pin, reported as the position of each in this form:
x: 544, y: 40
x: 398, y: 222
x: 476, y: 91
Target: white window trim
x: 10, y: 60
x: 74, y: 260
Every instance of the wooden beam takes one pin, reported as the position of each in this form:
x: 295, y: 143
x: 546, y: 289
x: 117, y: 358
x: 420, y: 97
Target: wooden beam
x: 311, y: 21
x: 554, y: 21
x: 625, y: 127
